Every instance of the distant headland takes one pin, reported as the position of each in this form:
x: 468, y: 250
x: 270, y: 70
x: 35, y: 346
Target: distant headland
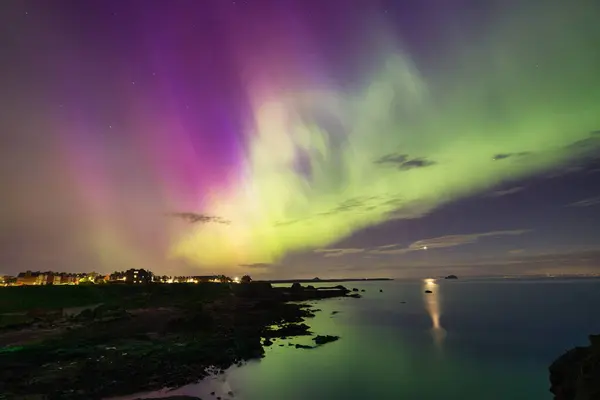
x: 325, y: 280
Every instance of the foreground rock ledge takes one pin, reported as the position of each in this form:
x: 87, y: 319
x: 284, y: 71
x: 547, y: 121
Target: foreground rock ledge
x: 576, y: 374
x: 144, y: 338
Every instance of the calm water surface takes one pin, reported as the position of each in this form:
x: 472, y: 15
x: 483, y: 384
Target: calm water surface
x: 477, y: 339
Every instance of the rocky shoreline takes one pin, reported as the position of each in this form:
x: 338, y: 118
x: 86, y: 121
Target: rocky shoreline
x: 160, y: 337
x: 576, y: 374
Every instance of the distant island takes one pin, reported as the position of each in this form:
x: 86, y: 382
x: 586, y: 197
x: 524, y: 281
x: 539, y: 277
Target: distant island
x: 451, y: 277
x: 314, y: 280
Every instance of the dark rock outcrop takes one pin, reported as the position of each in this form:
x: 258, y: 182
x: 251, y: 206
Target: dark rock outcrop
x: 322, y: 339
x: 451, y: 277
x: 576, y: 374
x: 146, y: 338
x: 173, y: 398
x: 428, y: 291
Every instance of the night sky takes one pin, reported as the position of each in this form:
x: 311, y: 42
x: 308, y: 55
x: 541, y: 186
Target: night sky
x: 300, y: 138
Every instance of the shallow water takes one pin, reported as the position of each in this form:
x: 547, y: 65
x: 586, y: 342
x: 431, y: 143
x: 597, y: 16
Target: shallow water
x: 470, y: 339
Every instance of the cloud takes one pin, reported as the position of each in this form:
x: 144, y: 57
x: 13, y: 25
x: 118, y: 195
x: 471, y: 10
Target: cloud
x: 257, y: 265
x: 404, y: 162
x: 387, y: 246
x: 577, y: 262
x: 195, y: 218
x: 566, y: 171
x: 419, y: 245
x: 339, y: 252
x: 459, y: 240
x: 504, y: 156
x: 393, y: 206
x: 516, y: 251
x: 506, y: 192
x: 412, y: 210
x: 445, y: 242
x: 391, y: 251
x: 593, y: 201
x: 416, y: 163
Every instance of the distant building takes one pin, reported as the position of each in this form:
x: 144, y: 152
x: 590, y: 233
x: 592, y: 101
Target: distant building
x: 8, y: 280
x: 117, y: 276
x: 28, y: 278
x: 138, y: 276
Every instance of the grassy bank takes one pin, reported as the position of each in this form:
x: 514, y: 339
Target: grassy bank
x: 26, y: 298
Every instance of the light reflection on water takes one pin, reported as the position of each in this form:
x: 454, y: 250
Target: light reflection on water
x: 432, y: 305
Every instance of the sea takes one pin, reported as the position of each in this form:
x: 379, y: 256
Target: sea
x: 488, y: 339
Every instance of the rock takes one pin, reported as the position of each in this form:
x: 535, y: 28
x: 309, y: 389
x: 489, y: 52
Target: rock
x: 296, y: 287
x: 334, y: 312
x: 85, y: 315
x: 355, y: 289
x: 363, y: 290
x: 355, y: 295
x: 428, y: 291
x: 288, y: 330
x: 159, y: 338
x: 451, y: 277
x: 267, y: 342
x: 380, y: 290
x: 576, y: 374
x: 302, y: 346
x: 322, y: 339
x: 402, y: 302
x: 172, y: 398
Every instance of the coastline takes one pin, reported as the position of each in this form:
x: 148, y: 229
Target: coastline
x: 157, y: 338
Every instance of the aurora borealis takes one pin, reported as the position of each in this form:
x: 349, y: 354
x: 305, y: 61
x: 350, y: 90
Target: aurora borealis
x: 283, y: 127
